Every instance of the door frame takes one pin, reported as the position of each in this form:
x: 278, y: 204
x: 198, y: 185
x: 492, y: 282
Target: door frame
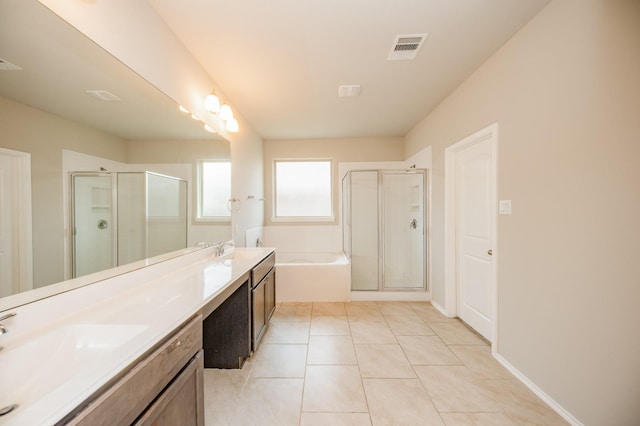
x: 489, y: 133
x: 22, y: 217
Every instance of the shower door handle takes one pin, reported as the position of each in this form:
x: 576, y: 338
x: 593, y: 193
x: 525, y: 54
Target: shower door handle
x: 413, y: 224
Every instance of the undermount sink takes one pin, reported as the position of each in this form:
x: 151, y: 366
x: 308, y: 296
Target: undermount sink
x: 238, y: 254
x: 46, y: 368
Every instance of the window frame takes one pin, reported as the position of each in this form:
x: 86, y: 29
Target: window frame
x: 276, y: 218
x: 200, y: 189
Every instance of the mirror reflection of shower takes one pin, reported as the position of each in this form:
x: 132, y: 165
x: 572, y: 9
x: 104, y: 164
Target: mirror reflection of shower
x: 121, y: 217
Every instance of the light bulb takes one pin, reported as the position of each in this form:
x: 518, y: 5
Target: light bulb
x: 232, y: 125
x: 225, y: 112
x: 212, y: 103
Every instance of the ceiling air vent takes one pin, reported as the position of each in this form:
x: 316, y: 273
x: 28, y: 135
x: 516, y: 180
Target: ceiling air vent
x: 8, y: 66
x: 406, y: 46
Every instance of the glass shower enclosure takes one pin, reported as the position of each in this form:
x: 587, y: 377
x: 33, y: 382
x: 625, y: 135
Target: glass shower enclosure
x: 384, y: 225
x: 121, y: 217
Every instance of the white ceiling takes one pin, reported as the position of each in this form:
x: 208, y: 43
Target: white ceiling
x: 280, y: 62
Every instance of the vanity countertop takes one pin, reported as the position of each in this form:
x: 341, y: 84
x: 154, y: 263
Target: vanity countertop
x: 61, y: 350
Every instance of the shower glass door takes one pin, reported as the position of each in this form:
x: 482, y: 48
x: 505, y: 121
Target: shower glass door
x: 166, y: 216
x: 93, y: 227
x: 364, y: 230
x: 403, y: 233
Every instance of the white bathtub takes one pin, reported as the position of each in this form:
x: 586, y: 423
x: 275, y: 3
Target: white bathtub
x: 312, y: 277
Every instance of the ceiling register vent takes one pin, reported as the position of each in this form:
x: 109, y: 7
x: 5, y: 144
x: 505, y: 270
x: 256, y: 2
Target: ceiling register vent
x: 406, y: 46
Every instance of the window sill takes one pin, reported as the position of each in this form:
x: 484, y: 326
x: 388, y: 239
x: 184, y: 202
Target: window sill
x: 203, y: 221
x: 303, y: 219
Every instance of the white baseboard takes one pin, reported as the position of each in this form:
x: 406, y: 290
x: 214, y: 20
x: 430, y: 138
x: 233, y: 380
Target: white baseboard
x: 539, y: 392
x: 441, y: 309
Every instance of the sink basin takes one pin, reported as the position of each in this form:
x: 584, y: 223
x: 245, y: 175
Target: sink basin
x: 239, y: 254
x: 44, y: 373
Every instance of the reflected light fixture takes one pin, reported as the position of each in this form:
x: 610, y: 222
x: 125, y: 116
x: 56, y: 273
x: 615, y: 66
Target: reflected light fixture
x: 232, y: 125
x: 183, y: 109
x: 225, y: 112
x: 209, y: 129
x: 212, y: 103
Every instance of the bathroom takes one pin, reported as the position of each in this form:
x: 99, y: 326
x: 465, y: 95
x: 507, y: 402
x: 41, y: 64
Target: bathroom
x: 549, y: 95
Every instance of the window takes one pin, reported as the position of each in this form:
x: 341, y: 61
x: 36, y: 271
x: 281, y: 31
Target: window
x: 303, y: 189
x: 214, y: 190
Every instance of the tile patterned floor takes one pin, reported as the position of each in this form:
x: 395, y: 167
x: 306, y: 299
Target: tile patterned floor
x: 370, y: 363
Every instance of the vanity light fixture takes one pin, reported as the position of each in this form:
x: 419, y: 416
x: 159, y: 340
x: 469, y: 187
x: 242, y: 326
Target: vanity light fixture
x: 212, y: 103
x: 232, y: 125
x: 225, y: 112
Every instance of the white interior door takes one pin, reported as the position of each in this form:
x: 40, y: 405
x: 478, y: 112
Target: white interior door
x: 475, y: 210
x: 7, y: 186
x: 15, y: 222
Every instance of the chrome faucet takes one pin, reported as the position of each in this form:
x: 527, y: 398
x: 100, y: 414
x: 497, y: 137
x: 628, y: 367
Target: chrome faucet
x: 3, y: 329
x: 219, y: 248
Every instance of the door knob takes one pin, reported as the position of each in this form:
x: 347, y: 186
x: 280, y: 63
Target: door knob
x: 490, y: 252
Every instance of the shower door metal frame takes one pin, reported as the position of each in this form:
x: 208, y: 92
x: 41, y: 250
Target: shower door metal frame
x: 381, y: 240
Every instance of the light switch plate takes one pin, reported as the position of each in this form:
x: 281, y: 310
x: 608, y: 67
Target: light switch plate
x: 505, y: 207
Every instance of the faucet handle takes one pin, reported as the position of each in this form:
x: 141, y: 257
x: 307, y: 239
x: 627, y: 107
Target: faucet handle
x: 9, y: 315
x: 3, y: 329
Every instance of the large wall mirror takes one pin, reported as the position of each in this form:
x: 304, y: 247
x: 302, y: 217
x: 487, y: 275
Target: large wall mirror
x: 73, y: 122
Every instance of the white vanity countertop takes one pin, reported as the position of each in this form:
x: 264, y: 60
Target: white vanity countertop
x: 61, y: 350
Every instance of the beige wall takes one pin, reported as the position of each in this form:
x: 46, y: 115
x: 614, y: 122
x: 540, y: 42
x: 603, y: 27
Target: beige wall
x: 44, y: 136
x: 565, y: 92
x: 338, y: 150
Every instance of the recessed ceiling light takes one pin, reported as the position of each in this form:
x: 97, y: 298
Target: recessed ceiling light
x: 349, y: 90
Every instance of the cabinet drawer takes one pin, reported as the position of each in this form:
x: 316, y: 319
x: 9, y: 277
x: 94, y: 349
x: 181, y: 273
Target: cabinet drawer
x: 127, y: 398
x: 262, y: 269
x: 182, y: 402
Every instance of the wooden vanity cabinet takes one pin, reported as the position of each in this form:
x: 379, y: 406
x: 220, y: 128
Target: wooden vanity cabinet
x: 164, y: 387
x: 178, y: 404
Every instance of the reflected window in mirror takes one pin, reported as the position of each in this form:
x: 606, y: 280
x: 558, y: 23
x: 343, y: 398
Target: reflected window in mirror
x: 214, y: 190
